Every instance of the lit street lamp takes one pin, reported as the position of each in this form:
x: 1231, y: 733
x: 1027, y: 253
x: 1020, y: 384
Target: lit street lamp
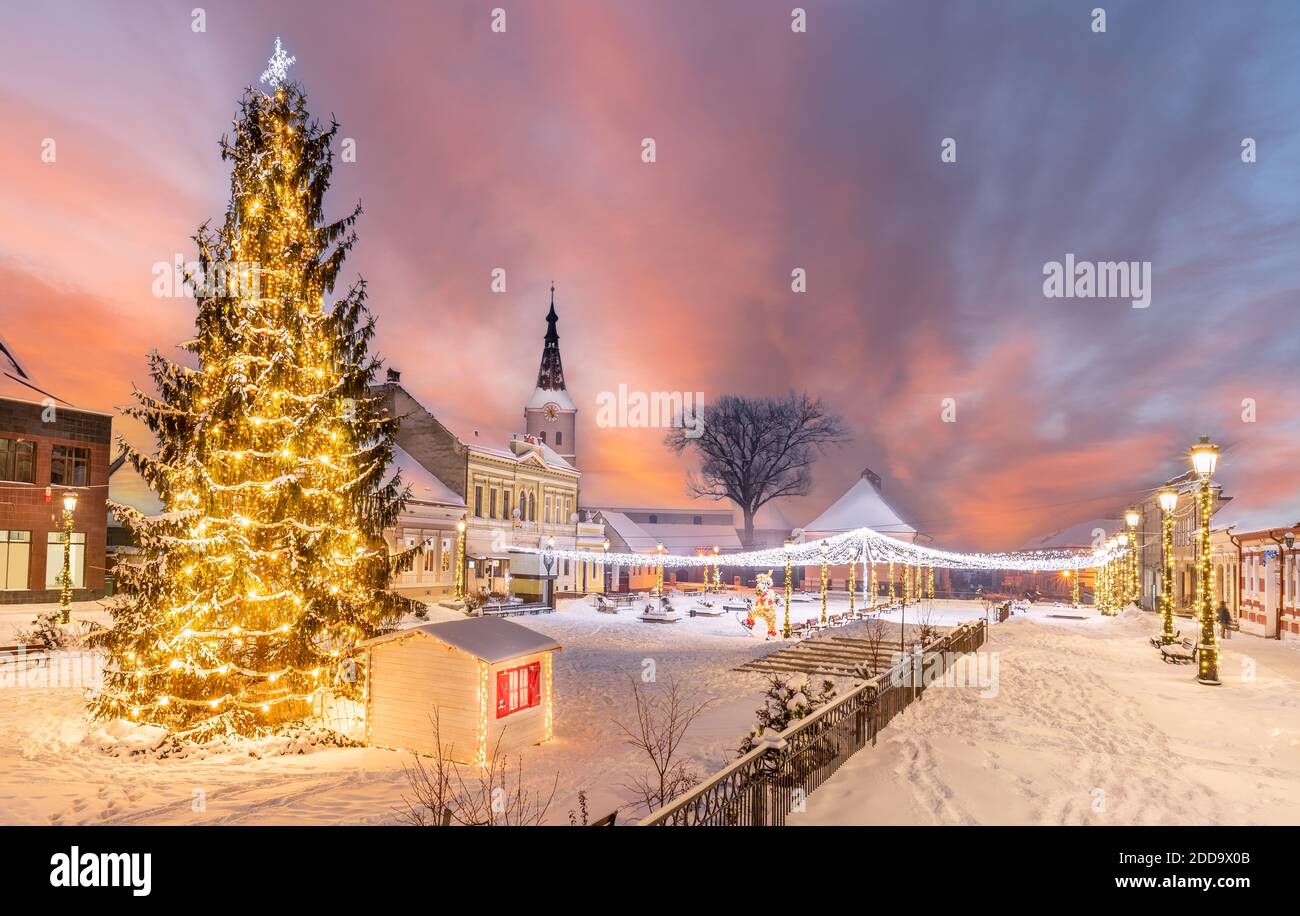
x: 65, y: 577
x: 1168, y: 503
x: 1205, y: 455
x: 1131, y: 518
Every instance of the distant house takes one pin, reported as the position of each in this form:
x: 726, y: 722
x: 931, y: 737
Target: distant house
x: 487, y: 679
x: 679, y: 531
x: 48, y: 449
x: 864, y: 505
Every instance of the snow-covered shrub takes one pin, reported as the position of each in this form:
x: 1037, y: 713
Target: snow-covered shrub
x: 785, y: 701
x: 46, y: 632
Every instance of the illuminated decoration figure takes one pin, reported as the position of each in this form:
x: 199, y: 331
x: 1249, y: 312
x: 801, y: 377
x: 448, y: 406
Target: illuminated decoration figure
x: 277, y: 68
x: 891, y: 581
x: 764, y: 607
x: 268, y: 565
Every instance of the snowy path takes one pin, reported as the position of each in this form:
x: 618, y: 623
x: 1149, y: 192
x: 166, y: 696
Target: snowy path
x: 1087, y: 726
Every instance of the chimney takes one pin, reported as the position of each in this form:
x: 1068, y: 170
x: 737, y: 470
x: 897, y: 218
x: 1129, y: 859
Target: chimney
x: 394, y: 376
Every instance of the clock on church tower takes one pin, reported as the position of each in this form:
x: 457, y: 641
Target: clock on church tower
x: 550, y: 414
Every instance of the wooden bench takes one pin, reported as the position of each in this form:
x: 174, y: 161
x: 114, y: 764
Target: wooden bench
x: 1180, y: 652
x: 516, y: 610
x: 1158, y: 641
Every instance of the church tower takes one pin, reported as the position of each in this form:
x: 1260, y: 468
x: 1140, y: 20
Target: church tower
x: 550, y: 414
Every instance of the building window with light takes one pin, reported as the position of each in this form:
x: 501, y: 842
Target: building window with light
x: 54, y: 559
x: 15, y: 555
x: 17, y: 461
x: 519, y: 688
x: 69, y: 466
x: 478, y: 502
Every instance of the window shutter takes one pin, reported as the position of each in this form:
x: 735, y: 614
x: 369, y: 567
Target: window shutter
x: 534, y: 683
x: 503, y: 693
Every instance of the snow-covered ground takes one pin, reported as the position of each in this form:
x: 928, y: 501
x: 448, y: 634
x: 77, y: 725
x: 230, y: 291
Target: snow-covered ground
x: 54, y: 770
x: 1081, y: 707
x: 1087, y: 726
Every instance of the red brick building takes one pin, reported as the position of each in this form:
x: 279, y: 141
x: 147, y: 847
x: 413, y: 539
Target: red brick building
x: 49, y: 448
x: 1260, y: 570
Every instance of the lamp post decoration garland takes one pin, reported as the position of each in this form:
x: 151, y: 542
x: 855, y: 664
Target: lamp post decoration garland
x: 825, y: 578
x: 65, y: 575
x: 785, y: 629
x: 267, y: 565
x: 1168, y: 503
x: 1205, y: 455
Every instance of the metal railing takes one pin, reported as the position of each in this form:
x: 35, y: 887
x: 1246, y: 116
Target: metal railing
x: 762, y: 787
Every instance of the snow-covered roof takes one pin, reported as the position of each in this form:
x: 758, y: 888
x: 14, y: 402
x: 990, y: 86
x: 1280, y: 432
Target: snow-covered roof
x: 425, y: 487
x: 549, y: 455
x: 543, y: 396
x: 632, y: 534
x: 862, y: 506
x: 677, y: 537
x: 490, y: 639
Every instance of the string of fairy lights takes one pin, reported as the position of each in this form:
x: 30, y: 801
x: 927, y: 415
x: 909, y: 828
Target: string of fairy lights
x: 857, y: 545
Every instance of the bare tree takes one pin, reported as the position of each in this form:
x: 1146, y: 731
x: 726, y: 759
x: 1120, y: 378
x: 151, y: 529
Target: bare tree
x: 755, y: 450
x: 661, y: 723
x: 875, y: 632
x: 489, y: 796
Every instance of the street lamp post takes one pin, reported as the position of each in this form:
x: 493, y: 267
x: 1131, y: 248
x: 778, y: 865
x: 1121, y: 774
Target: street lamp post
x: 459, y: 591
x: 1168, y: 503
x: 717, y: 568
x: 1205, y: 455
x: 65, y: 577
x: 1132, y: 517
x: 825, y: 581
x: 604, y: 566
x: 853, y: 567
x: 785, y: 631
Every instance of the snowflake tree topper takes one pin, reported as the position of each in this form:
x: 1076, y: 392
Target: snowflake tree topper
x: 278, y: 66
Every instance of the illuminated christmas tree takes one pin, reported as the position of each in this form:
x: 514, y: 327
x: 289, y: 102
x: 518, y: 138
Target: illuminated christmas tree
x: 268, y: 564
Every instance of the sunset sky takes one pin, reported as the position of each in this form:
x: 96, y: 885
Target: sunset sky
x: 775, y: 150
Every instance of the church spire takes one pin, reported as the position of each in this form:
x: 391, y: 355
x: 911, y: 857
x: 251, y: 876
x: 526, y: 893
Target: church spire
x: 550, y: 377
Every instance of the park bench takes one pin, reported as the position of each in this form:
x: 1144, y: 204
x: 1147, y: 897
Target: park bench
x: 516, y: 610
x: 1158, y: 642
x: 1180, y: 652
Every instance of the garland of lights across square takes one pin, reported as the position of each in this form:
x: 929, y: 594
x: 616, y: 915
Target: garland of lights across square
x: 842, y: 549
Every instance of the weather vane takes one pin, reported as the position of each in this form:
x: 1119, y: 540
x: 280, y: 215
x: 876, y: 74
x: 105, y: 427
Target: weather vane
x: 278, y: 66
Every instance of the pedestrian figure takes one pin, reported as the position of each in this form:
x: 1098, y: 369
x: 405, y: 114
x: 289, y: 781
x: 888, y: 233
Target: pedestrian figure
x: 1225, y: 620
